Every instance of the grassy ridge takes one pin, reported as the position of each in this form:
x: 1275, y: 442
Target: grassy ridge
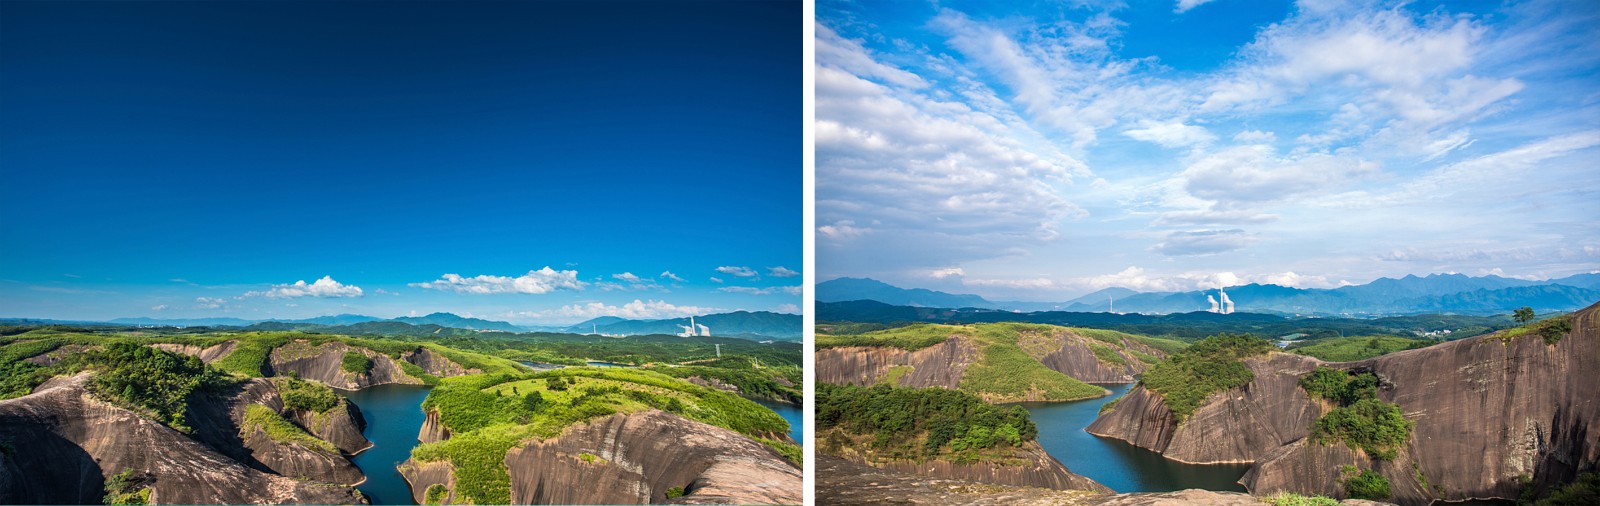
x: 1350, y: 349
x: 1184, y: 380
x: 1006, y: 373
x: 909, y: 338
x: 489, y: 414
x: 919, y: 423
x: 280, y: 429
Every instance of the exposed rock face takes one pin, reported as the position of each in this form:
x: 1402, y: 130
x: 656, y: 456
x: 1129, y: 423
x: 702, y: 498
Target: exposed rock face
x: 432, y: 429
x: 1073, y: 356
x: 207, y: 355
x: 1487, y: 411
x: 54, y: 357
x: 1238, y: 425
x: 1039, y: 470
x: 219, y: 422
x: 324, y: 363
x: 636, y: 458
x: 713, y: 383
x: 435, y: 363
x: 935, y: 366
x: 66, y: 444
x: 422, y: 475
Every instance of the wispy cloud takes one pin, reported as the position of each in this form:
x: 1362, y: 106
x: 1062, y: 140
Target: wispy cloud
x: 638, y: 309
x: 743, y: 272
x: 539, y: 281
x: 325, y: 287
x: 781, y: 272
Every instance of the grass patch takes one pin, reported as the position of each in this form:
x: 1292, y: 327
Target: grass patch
x: 280, y: 429
x: 435, y: 494
x: 306, y: 396
x: 1364, y: 484
x: 1292, y: 499
x: 909, y: 338
x: 895, y: 373
x: 1168, y: 346
x: 417, y: 372
x: 250, y: 357
x: 355, y: 362
x: 1350, y: 349
x: 1105, y: 354
x: 1214, y: 364
x: 1006, y: 373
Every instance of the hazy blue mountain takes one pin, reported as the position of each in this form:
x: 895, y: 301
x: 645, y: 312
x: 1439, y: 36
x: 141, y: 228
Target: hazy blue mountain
x: 1590, y: 280
x: 458, y: 322
x: 758, y: 324
x: 589, y: 325
x: 844, y: 289
x: 1103, y: 296
x: 342, y: 319
x: 183, y: 322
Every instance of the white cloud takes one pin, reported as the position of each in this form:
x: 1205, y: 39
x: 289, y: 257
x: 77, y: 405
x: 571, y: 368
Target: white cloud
x: 159, y: 307
x: 626, y: 276
x: 1171, y: 134
x: 671, y: 276
x: 789, y: 308
x: 1185, y: 5
x: 210, y: 303
x: 947, y: 272
x: 1255, y: 137
x: 1256, y: 173
x: 1026, y: 284
x: 842, y: 229
x: 540, y: 281
x: 638, y: 309
x: 715, y: 279
x: 750, y: 290
x: 781, y: 272
x: 743, y: 272
x: 1203, y: 242
x: 325, y: 287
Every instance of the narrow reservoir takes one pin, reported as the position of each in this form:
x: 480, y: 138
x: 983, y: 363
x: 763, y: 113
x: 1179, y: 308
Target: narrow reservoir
x: 394, y: 416
x: 1117, y: 464
x: 790, y: 413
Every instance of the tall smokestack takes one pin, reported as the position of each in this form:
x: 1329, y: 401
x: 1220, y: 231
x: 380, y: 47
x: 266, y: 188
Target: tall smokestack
x: 1227, y: 304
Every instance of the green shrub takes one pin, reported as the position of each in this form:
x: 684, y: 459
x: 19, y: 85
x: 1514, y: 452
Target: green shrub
x: 1339, y: 386
x: 1105, y: 354
x: 127, y: 487
x: 1583, y: 491
x: 1185, y: 379
x: 1376, y: 427
x: 146, y: 379
x: 674, y: 492
x: 921, y: 423
x: 435, y: 494
x: 1292, y: 499
x: 307, y: 396
x: 1555, y: 329
x: 1366, y: 485
x: 356, y: 362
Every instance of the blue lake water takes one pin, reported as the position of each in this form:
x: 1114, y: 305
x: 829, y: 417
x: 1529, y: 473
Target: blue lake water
x: 394, y: 416
x: 1117, y: 464
x: 790, y: 413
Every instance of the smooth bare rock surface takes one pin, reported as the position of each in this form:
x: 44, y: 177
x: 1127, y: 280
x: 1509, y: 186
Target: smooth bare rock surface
x: 325, y: 364
x: 1238, y: 425
x: 1487, y: 412
x: 940, y: 365
x: 422, y: 475
x: 300, y: 462
x: 435, y: 363
x: 1039, y: 470
x: 636, y: 458
x: 432, y: 429
x: 54, y: 357
x: 341, y: 425
x: 1198, y: 497
x: 208, y: 355
x: 220, y: 421
x: 1071, y: 354
x: 67, y: 443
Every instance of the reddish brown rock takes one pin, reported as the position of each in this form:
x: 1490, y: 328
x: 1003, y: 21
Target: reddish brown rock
x: 435, y: 363
x: 208, y: 355
x: 940, y: 365
x: 324, y: 363
x: 1035, y: 468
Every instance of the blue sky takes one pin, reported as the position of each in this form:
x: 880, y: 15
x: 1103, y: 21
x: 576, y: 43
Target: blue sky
x: 1042, y: 150
x: 565, y: 160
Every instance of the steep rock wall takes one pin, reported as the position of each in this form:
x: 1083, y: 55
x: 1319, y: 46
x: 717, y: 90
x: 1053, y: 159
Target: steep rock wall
x: 940, y: 365
x: 1038, y: 470
x: 1237, y: 425
x: 324, y: 363
x: 635, y: 459
x: 1074, y: 356
x: 208, y: 355
x: 435, y: 363
x: 1488, y: 413
x: 432, y: 429
x: 341, y: 425
x: 66, y: 444
x: 421, y: 475
x: 219, y: 421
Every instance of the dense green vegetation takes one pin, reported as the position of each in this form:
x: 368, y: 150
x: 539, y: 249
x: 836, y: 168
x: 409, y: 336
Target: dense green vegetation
x: 488, y: 414
x: 920, y: 423
x: 1006, y: 373
x: 1350, y: 349
x: 307, y: 396
x: 1361, y: 421
x: 1364, y: 484
x: 435, y: 494
x: 127, y: 487
x: 1185, y: 379
x: 780, y: 383
x: 280, y: 429
x: 1105, y: 354
x: 142, y: 378
x: 1583, y: 491
x: 355, y: 362
x: 909, y: 338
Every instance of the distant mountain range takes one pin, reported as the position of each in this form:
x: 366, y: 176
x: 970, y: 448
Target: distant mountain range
x: 759, y: 325
x: 736, y: 324
x: 1434, y: 293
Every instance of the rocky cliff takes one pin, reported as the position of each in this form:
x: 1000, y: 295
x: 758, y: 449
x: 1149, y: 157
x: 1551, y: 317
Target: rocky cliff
x: 1072, y: 354
x: 432, y: 429
x: 939, y: 365
x: 1237, y: 425
x: 1491, y: 413
x: 62, y: 445
x: 636, y: 458
x: 220, y: 424
x: 435, y: 363
x: 1028, y: 466
x: 208, y: 355
x: 324, y: 363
